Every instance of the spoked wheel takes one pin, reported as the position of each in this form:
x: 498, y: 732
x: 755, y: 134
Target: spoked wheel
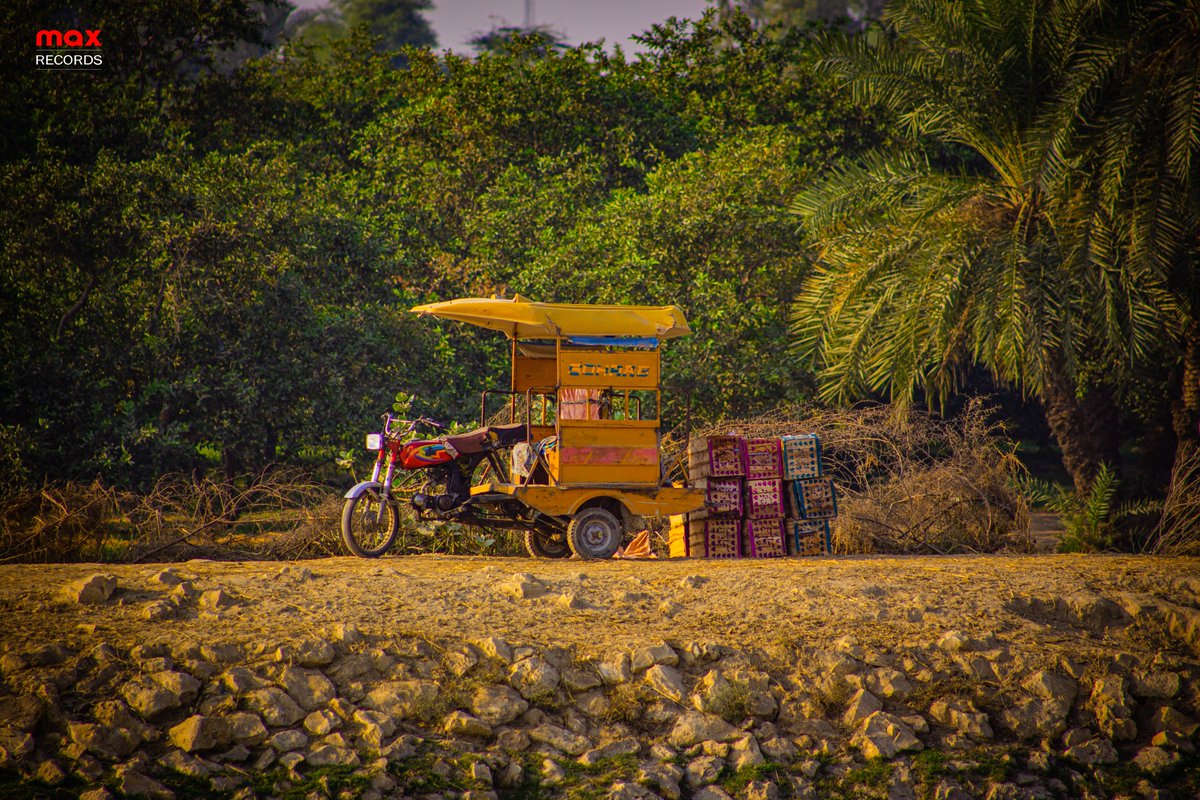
x: 546, y: 545
x: 368, y: 533
x: 594, y: 533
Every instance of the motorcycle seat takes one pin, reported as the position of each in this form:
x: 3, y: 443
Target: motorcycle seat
x: 476, y: 441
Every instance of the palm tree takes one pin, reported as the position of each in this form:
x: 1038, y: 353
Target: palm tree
x: 923, y: 270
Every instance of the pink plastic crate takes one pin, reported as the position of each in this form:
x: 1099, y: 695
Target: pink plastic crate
x: 764, y: 537
x: 717, y: 457
x: 765, y: 499
x: 721, y: 538
x: 722, y: 496
x: 764, y: 459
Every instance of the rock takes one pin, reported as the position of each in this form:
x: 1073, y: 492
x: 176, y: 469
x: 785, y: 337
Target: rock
x: 314, y: 653
x: 669, y: 608
x: 779, y: 749
x: 324, y: 755
x: 666, y: 681
x: 1156, y: 760
x: 1059, y: 692
x: 702, y: 771
x: 1090, y: 753
x: 560, y: 738
x: 345, y: 634
x: 460, y: 723
x: 745, y: 752
x: 514, y: 740
x: 179, y: 684
x: 296, y: 573
x: 181, y: 762
x: 647, y: 657
x: 1113, y: 708
x: 403, y: 699
x: 93, y: 589
x: 1156, y: 685
x: 132, y: 783
x: 760, y: 790
x: 215, y: 600
x: 50, y: 772
x: 889, y: 683
x: 533, y: 677
x: 240, y: 680
x: 552, y: 773
x: 109, y: 743
x: 375, y: 727
x: 20, y: 714
x: 99, y: 793
x: 961, y: 717
x: 628, y: 790
x: 275, y: 706
x: 882, y: 735
x: 497, y: 705
x: 201, y: 733
x: 953, y: 642
x: 521, y: 586
x: 480, y: 772
x: 578, y: 680
x: 286, y: 741
x: 158, y: 609
x: 291, y: 760
x: 615, y: 671
x: 1173, y: 721
x: 460, y: 661
x: 862, y: 705
x: 496, y: 648
x: 148, y: 697
x: 168, y: 578
x: 308, y: 687
x: 246, y: 728
x: 694, y: 727
x: 1173, y: 740
x: 663, y: 777
x: 711, y: 793
x: 627, y: 746
x: 321, y: 722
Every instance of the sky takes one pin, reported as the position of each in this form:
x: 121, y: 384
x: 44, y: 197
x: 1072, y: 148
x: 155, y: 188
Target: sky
x: 456, y: 21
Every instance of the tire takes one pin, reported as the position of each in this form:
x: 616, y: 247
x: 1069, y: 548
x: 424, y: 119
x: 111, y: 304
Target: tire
x: 363, y: 534
x: 595, y: 533
x: 543, y: 545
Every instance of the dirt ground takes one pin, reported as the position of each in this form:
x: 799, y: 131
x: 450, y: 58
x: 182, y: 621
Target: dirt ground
x: 1039, y: 605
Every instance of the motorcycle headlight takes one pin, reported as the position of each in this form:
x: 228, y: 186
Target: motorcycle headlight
x: 374, y: 441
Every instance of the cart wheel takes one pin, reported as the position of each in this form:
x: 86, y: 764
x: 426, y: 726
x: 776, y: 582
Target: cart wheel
x: 594, y: 533
x: 545, y: 545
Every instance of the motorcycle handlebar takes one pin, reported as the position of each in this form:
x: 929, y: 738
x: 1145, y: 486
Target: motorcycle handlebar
x: 409, y: 425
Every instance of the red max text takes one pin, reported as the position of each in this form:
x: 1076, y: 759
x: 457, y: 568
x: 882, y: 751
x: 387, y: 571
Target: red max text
x: 68, y: 39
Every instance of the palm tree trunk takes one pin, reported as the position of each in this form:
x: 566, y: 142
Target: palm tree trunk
x: 1086, y: 428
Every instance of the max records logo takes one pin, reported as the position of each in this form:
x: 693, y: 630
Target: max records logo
x: 68, y: 50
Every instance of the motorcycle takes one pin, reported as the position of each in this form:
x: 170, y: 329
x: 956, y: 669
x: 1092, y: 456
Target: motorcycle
x: 371, y: 517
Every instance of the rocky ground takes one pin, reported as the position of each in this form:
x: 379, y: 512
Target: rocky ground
x: 996, y: 677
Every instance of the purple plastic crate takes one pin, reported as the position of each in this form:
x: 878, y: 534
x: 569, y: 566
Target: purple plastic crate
x: 764, y: 459
x: 721, y: 538
x: 764, y: 538
x: 765, y: 499
x: 717, y: 457
x: 723, y: 497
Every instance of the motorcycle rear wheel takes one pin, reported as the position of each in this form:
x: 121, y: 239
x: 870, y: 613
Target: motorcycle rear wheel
x: 362, y: 531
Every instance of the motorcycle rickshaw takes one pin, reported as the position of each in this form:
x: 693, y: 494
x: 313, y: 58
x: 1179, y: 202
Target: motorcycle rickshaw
x: 574, y: 460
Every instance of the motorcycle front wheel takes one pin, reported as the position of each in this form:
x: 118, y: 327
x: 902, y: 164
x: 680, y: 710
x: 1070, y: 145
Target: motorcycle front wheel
x: 363, y: 531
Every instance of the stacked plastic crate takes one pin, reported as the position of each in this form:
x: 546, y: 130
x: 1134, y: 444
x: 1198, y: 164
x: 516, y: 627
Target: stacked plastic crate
x: 764, y: 498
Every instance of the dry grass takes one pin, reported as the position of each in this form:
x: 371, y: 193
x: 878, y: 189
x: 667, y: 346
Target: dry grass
x: 1178, y: 531
x: 280, y: 514
x: 908, y: 482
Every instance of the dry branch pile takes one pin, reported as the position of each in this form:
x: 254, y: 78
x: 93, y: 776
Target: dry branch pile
x: 279, y: 514
x: 1178, y: 531
x: 910, y: 482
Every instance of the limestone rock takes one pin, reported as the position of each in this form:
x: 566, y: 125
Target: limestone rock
x: 288, y: 740
x: 694, y: 727
x: 314, y: 653
x: 496, y: 648
x: 246, y: 728
x: 889, y: 683
x: 1171, y: 720
x: 275, y: 706
x: 148, y: 697
x: 179, y: 684
x: 375, y: 727
x: 627, y: 746
x: 215, y: 600
x: 862, y: 705
x: 1113, y: 707
x: 402, y: 699
x: 201, y: 733
x: 579, y: 680
x: 615, y: 670
x: 321, y: 722
x: 133, y: 783
x: 647, y: 657
x: 961, y: 717
x: 711, y: 793
x: 534, y: 677
x: 521, y: 586
x: 745, y: 752
x: 497, y: 705
x: 93, y: 589
x: 460, y: 723
x: 560, y: 738
x: 1095, y: 751
x: 882, y: 735
x: 1156, y: 685
x: 663, y: 777
x: 107, y: 742
x: 1156, y: 760
x: 240, y: 680
x: 324, y: 755
x: 308, y: 687
x: 703, y: 770
x: 667, y: 681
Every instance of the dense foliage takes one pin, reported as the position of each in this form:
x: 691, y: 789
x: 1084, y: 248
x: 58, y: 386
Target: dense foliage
x: 208, y: 259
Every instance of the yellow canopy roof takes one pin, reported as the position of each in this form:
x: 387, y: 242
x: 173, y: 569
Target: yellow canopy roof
x: 519, y: 318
